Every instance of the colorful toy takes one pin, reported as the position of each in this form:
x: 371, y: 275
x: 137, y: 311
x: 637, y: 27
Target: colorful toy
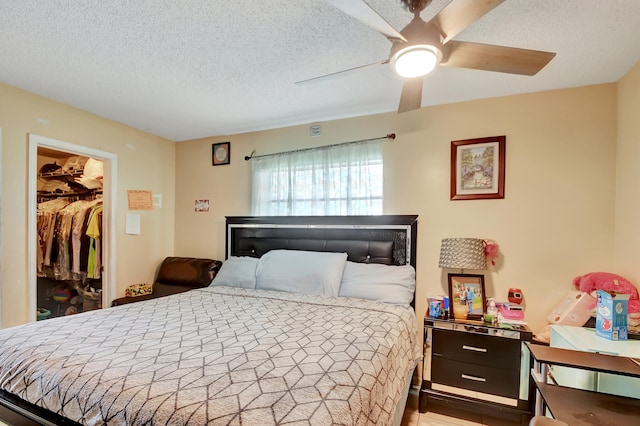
x: 511, y: 311
x: 593, y: 281
x: 61, y: 294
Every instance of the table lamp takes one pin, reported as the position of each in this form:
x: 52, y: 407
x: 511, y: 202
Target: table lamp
x: 463, y: 253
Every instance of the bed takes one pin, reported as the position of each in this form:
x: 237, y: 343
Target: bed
x: 232, y: 354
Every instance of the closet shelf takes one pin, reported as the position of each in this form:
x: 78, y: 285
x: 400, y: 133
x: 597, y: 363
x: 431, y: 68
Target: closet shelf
x: 60, y: 173
x: 54, y: 194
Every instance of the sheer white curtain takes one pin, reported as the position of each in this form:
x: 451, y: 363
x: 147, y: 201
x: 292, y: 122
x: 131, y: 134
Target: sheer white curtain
x: 335, y: 180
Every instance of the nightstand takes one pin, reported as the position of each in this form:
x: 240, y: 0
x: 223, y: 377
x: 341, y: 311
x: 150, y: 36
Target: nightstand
x: 477, y: 367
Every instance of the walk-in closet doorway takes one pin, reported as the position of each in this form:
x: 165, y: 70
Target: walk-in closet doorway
x: 0, y: 227
x: 109, y: 195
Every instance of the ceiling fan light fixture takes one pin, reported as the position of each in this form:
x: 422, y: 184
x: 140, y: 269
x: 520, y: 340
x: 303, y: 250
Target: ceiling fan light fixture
x: 415, y: 61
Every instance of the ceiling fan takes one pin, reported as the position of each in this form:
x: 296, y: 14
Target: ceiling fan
x: 421, y: 46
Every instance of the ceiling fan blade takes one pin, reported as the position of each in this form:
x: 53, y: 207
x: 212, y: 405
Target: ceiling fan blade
x: 334, y: 74
x: 411, y: 97
x: 495, y: 58
x: 365, y: 14
x: 459, y: 14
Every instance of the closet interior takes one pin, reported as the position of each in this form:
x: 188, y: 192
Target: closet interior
x: 69, y: 229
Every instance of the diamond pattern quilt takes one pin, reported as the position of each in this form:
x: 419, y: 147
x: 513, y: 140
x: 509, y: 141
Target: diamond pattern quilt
x: 217, y: 356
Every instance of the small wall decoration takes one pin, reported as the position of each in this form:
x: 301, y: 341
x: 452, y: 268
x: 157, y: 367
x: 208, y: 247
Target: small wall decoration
x: 139, y: 199
x: 466, y: 296
x: 221, y: 153
x: 477, y: 168
x: 202, y: 205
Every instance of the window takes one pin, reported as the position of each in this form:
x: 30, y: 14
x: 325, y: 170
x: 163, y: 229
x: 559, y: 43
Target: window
x: 336, y: 180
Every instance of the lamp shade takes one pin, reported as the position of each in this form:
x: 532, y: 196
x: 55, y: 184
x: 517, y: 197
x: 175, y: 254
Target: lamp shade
x: 462, y: 253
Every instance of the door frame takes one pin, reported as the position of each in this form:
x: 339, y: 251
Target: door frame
x: 1, y: 268
x: 110, y: 185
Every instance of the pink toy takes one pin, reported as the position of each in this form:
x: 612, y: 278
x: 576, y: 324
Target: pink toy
x: 593, y: 281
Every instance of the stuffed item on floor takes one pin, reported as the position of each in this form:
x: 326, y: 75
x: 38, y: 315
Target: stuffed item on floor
x: 543, y: 336
x: 43, y: 313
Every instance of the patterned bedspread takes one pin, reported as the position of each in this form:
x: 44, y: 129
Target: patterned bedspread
x: 217, y: 356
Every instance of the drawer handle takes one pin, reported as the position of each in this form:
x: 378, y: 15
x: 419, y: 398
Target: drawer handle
x: 474, y: 348
x: 474, y: 378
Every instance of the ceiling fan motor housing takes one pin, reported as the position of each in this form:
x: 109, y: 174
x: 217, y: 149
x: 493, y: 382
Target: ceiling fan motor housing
x: 414, y: 5
x: 419, y: 35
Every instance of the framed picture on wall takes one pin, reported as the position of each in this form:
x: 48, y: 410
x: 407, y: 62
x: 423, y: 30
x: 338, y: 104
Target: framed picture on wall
x: 221, y: 153
x: 466, y: 296
x: 477, y: 168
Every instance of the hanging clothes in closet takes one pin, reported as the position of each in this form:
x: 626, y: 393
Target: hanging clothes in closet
x: 93, y: 232
x: 68, y: 235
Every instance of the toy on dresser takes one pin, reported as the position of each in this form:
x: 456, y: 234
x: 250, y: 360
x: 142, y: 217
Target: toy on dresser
x: 511, y: 311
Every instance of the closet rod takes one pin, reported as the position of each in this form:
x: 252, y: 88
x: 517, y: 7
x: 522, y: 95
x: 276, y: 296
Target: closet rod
x: 391, y: 136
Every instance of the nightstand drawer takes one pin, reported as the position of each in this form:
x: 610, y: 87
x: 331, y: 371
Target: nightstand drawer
x: 475, y: 377
x: 478, y: 349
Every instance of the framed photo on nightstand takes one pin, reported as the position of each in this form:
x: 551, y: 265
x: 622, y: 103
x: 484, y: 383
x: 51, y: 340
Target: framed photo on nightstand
x: 466, y: 296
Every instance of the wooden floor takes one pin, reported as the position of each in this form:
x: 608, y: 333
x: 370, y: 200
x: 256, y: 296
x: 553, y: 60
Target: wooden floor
x: 446, y: 417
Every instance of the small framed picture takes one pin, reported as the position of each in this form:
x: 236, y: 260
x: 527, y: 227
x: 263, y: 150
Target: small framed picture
x: 221, y: 153
x: 477, y: 168
x: 466, y: 296
x: 202, y: 205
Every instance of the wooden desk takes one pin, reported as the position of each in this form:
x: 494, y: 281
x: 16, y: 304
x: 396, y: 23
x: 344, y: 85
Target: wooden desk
x: 579, y: 407
x: 585, y: 360
x: 585, y: 340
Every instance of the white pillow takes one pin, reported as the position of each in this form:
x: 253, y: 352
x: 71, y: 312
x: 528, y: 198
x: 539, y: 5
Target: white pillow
x: 297, y: 271
x: 237, y: 272
x: 374, y: 281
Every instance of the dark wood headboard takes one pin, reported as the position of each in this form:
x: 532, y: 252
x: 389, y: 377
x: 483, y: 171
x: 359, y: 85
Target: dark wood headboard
x: 389, y: 239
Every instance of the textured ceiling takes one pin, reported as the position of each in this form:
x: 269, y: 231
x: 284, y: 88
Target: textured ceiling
x: 185, y: 69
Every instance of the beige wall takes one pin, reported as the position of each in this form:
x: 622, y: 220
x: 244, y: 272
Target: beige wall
x: 556, y: 221
x: 144, y: 162
x: 627, y: 231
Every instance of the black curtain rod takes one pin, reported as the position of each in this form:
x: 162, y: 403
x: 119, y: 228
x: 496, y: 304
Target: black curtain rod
x: 391, y: 136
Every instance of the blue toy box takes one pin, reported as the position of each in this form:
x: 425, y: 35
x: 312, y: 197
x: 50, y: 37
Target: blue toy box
x: 611, y: 315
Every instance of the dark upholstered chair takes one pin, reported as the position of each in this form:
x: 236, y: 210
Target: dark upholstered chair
x: 176, y: 275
